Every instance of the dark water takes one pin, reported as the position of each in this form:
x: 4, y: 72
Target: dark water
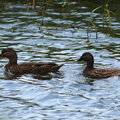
x: 58, y: 33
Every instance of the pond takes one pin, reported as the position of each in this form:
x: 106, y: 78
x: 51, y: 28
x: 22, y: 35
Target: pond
x: 59, y: 32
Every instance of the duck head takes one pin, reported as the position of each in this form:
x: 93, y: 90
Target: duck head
x: 10, y: 54
x: 87, y: 57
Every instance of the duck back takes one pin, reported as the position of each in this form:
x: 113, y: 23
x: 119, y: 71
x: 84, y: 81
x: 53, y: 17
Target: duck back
x: 101, y: 73
x: 34, y: 68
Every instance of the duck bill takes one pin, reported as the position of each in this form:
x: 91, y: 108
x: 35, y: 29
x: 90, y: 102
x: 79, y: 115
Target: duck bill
x: 79, y: 59
x: 1, y: 55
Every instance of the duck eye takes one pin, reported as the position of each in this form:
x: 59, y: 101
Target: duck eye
x: 4, y: 51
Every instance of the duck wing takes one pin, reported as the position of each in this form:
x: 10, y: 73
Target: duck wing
x: 35, y: 68
x: 102, y: 73
x: 49, y: 67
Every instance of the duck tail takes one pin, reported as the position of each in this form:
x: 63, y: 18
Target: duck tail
x: 56, y: 68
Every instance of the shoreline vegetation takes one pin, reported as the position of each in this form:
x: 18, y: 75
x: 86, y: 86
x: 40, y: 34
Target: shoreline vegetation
x: 105, y: 8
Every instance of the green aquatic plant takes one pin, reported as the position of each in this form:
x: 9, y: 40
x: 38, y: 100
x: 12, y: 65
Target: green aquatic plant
x: 106, y: 13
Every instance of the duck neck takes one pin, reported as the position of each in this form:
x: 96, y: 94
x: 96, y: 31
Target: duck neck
x: 12, y: 61
x: 90, y: 64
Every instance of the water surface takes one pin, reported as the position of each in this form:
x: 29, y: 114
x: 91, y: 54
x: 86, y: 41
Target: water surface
x: 58, y: 33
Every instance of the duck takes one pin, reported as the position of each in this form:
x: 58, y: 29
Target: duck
x: 96, y: 73
x: 29, y: 67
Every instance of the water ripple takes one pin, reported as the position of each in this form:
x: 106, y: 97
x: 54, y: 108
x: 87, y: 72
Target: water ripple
x: 57, y: 34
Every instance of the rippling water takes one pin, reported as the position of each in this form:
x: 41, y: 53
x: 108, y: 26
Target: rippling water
x: 57, y: 34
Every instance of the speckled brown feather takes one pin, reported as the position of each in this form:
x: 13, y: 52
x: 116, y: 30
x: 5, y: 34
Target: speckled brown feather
x: 33, y: 68
x: 27, y: 68
x: 101, y: 73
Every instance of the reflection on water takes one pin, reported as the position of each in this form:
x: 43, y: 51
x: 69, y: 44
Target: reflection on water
x: 57, y: 34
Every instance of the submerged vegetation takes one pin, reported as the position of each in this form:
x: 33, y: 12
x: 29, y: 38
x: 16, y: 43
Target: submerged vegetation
x: 103, y: 8
x: 106, y: 27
